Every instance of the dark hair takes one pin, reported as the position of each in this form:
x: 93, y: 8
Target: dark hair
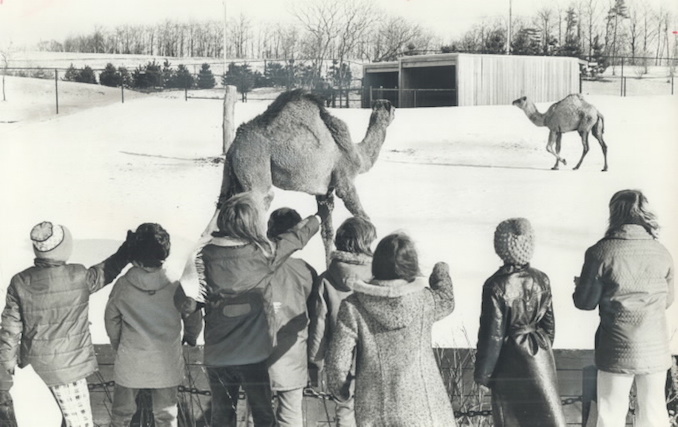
x: 149, y: 246
x: 630, y: 207
x: 395, y: 258
x: 239, y: 218
x: 282, y: 220
x: 355, y: 235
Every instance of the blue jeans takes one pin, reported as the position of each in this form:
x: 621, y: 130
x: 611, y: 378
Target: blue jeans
x: 224, y: 384
x: 164, y: 406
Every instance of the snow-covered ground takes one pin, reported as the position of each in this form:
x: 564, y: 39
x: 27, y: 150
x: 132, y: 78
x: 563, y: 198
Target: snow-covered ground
x: 446, y: 176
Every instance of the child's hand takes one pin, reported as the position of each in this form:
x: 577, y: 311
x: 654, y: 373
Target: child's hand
x: 439, y: 275
x: 324, y: 210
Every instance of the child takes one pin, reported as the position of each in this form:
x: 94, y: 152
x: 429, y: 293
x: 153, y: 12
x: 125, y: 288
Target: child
x: 516, y: 321
x: 143, y: 321
x: 291, y: 286
x: 628, y: 275
x: 238, y: 265
x: 389, y: 319
x: 353, y: 258
x: 45, y: 322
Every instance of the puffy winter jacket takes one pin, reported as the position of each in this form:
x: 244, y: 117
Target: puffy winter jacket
x: 397, y: 381
x: 45, y: 322
x: 514, y: 355
x: 628, y: 275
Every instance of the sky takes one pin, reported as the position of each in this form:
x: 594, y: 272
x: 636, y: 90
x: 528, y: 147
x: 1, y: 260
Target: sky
x: 29, y: 21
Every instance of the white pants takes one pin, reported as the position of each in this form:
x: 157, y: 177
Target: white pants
x: 613, y: 399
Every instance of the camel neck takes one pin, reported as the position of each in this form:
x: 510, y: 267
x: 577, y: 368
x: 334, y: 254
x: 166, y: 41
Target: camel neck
x: 371, y: 145
x: 534, y: 115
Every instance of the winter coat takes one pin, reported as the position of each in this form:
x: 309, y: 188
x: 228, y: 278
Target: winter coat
x: 514, y: 356
x: 629, y: 276
x: 291, y: 286
x: 329, y: 291
x: 143, y: 321
x: 45, y: 322
x: 397, y: 381
x: 239, y: 318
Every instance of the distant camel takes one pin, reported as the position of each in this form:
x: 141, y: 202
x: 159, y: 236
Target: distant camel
x: 296, y: 144
x: 569, y: 114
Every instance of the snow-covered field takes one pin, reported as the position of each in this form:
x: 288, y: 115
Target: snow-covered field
x: 447, y: 176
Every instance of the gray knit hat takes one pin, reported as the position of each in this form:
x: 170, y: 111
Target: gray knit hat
x: 514, y: 241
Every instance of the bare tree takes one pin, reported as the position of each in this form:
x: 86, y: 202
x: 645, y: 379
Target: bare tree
x: 544, y: 20
x: 241, y: 33
x: 320, y: 21
x: 392, y: 36
x: 5, y: 54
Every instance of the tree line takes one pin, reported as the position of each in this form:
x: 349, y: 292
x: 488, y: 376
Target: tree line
x: 357, y: 30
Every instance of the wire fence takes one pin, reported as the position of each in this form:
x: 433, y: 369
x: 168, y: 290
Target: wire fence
x: 624, y: 76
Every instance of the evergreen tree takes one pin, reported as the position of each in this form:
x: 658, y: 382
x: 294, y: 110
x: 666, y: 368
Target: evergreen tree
x: 110, y: 76
x: 154, y: 76
x: 71, y: 73
x: 571, y: 47
x: 526, y: 42
x: 495, y: 41
x: 205, y: 77
x: 125, y: 77
x: 276, y: 73
x: 167, y: 74
x: 182, y: 79
x: 240, y: 76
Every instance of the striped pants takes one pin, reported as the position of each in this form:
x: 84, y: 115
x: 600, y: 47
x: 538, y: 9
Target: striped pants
x: 73, y: 400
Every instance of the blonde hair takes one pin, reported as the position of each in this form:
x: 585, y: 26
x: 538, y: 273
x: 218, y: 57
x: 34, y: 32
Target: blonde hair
x: 630, y: 207
x: 239, y: 218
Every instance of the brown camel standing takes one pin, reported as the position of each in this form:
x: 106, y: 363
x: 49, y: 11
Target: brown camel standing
x: 296, y: 144
x: 569, y: 114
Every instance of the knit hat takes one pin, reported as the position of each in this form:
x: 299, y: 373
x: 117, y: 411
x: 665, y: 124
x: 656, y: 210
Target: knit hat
x: 51, y: 241
x: 514, y: 241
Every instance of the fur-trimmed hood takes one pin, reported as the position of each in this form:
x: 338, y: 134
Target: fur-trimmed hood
x: 393, y: 304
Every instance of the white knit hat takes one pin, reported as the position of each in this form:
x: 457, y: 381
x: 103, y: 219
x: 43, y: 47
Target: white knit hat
x: 51, y: 241
x: 514, y: 241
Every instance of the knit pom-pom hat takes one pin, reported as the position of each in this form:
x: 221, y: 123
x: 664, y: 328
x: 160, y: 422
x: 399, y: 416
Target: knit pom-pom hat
x: 51, y: 241
x: 514, y: 241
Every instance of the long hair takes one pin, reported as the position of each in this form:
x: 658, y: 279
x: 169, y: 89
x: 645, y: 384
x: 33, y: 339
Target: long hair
x: 395, y: 258
x: 355, y: 235
x: 630, y: 207
x: 240, y: 218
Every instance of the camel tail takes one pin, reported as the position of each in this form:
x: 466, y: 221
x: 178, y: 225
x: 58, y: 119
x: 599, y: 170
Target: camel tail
x: 601, y: 119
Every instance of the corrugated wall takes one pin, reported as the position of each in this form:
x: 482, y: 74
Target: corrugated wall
x: 499, y: 79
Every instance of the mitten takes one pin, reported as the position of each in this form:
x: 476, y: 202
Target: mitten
x: 440, y: 275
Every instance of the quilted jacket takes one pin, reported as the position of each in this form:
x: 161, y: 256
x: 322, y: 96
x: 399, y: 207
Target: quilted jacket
x: 628, y: 275
x: 45, y: 322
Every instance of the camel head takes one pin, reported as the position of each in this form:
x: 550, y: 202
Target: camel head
x: 382, y: 112
x: 520, y: 102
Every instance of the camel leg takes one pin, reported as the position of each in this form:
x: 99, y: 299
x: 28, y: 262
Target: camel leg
x: 326, y: 230
x: 553, y: 137
x: 598, y: 134
x: 559, y: 138
x: 585, y: 146
x: 348, y: 194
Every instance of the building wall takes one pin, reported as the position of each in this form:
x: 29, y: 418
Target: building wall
x: 500, y: 79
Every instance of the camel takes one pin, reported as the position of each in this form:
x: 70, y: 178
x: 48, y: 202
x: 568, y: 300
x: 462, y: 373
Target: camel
x: 569, y: 114
x: 296, y: 144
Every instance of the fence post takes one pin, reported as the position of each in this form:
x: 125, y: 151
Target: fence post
x: 671, y: 85
x: 369, y: 106
x: 122, y: 92
x: 56, y: 88
x: 186, y: 94
x: 228, y: 124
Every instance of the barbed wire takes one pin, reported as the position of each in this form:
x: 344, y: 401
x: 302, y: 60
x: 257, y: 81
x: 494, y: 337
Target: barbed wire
x: 311, y: 392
